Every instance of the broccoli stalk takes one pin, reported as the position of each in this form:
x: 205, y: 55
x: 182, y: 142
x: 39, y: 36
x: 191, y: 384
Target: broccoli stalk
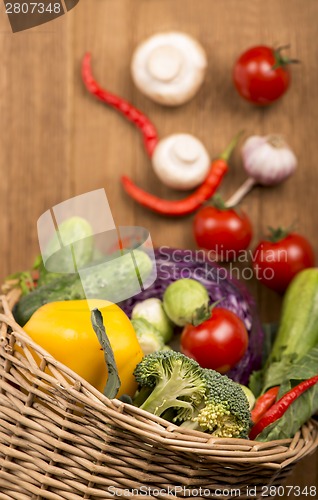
x: 169, y: 380
x: 225, y: 412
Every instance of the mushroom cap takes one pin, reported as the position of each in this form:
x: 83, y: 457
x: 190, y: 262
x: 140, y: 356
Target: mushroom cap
x: 169, y: 67
x: 181, y: 161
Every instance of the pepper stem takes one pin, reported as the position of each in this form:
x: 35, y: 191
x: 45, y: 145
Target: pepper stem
x: 242, y: 191
x: 113, y: 381
x: 230, y: 148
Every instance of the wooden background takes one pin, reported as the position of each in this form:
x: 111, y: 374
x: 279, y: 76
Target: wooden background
x: 57, y: 142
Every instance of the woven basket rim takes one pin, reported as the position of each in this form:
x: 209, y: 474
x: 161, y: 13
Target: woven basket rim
x: 272, y: 454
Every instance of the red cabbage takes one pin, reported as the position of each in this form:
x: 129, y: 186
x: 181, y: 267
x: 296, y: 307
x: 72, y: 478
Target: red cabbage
x: 173, y: 264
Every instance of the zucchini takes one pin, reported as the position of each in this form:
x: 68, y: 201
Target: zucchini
x: 298, y: 330
x: 297, y: 333
x: 101, y: 282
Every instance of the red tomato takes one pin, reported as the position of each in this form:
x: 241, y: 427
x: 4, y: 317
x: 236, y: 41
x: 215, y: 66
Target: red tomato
x: 218, y: 343
x: 261, y: 75
x: 277, y: 262
x: 227, y: 232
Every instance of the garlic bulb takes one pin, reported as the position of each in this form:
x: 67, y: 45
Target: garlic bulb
x: 169, y: 67
x: 181, y: 161
x: 267, y: 161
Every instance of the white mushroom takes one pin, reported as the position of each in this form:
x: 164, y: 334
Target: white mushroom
x: 181, y: 161
x: 169, y: 67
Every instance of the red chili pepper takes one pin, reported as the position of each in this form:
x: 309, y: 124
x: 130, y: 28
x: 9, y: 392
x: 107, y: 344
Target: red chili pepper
x: 279, y: 408
x: 218, y: 169
x: 263, y: 403
x: 128, y: 110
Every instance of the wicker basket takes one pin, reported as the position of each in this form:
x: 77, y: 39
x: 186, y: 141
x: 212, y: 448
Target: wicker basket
x: 62, y: 439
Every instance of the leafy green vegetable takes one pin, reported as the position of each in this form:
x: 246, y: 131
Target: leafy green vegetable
x: 276, y: 373
x: 25, y: 281
x: 304, y: 407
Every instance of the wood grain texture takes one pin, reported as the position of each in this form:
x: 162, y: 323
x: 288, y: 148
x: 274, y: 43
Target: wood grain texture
x: 57, y: 142
x: 35, y: 114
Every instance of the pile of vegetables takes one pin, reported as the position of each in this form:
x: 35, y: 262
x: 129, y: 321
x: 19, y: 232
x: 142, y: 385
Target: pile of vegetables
x: 175, y: 387
x: 221, y: 382
x: 221, y: 343
x: 286, y: 387
x: 213, y: 336
x: 211, y: 284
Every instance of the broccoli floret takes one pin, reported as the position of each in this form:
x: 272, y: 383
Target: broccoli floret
x: 169, y: 379
x: 225, y: 411
x: 176, y: 387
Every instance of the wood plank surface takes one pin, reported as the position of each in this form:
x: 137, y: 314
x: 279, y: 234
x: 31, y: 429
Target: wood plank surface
x: 57, y: 142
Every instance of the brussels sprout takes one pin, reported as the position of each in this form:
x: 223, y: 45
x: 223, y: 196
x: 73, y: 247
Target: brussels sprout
x: 152, y: 310
x: 183, y: 298
x: 149, y: 338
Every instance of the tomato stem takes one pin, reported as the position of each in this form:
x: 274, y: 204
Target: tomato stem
x: 205, y: 312
x: 218, y: 202
x: 277, y: 234
x: 200, y: 315
x: 213, y: 306
x: 281, y: 60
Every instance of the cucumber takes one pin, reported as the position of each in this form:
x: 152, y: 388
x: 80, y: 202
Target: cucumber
x: 77, y: 231
x: 298, y: 330
x: 66, y: 287
x: 45, y: 277
x: 102, y: 282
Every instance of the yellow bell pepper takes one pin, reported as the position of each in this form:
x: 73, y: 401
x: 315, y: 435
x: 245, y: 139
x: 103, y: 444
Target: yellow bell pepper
x: 64, y: 329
